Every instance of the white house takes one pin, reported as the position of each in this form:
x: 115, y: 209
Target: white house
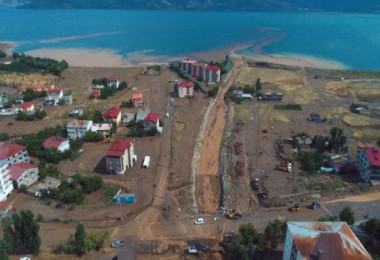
x: 112, y: 115
x: 113, y: 81
x: 26, y: 107
x: 54, y: 95
x: 62, y: 144
x: 322, y: 240
x: 368, y: 163
x: 23, y: 174
x: 152, y: 121
x: 6, y: 186
x: 78, y: 128
x: 13, y: 153
x: 120, y: 156
x: 103, y: 128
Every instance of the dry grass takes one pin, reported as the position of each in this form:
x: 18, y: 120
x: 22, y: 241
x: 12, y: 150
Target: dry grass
x: 242, y: 111
x: 339, y: 88
x: 357, y: 120
x: 366, y: 135
x: 32, y: 79
x: 179, y: 127
x: 298, y: 94
x: 249, y: 75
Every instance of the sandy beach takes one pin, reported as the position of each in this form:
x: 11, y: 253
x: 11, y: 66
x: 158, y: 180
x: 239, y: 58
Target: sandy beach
x: 109, y: 58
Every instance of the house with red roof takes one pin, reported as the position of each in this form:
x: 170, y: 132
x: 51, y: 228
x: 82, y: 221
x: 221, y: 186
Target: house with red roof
x: 368, y: 163
x: 152, y: 121
x: 113, y: 81
x: 53, y: 98
x: 23, y: 174
x: 120, y: 156
x: 6, y: 186
x: 60, y: 143
x: 26, y: 107
x: 185, y: 88
x: 112, y: 115
x: 37, y: 88
x: 211, y: 74
x: 6, y: 205
x: 322, y: 240
x: 96, y: 92
x: 13, y: 153
x: 56, y: 93
x: 104, y: 128
x: 137, y: 99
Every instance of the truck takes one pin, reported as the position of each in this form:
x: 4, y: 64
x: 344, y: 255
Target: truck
x: 286, y: 167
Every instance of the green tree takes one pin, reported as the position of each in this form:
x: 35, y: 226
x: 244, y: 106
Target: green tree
x: 3, y: 250
x: 250, y: 235
x: 9, y: 236
x: 97, y: 117
x: 258, y: 85
x: 236, y: 250
x: 79, y: 239
x: 373, y: 227
x: 4, y: 137
x: 311, y: 161
x: 347, y: 214
x: 2, y: 54
x: 26, y: 230
x: 275, y: 233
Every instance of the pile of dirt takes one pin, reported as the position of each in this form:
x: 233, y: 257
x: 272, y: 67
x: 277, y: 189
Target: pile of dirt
x: 238, y: 148
x: 239, y: 168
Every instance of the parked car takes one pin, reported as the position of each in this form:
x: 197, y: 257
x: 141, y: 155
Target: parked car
x: 117, y: 243
x: 199, y: 221
x: 262, y: 195
x: 315, y: 205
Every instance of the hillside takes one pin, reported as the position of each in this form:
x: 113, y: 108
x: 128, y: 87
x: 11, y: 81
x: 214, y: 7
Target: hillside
x: 212, y: 5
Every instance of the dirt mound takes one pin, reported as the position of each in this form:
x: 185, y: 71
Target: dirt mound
x: 239, y: 168
x: 238, y: 148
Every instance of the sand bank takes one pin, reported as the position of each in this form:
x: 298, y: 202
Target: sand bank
x: 109, y: 58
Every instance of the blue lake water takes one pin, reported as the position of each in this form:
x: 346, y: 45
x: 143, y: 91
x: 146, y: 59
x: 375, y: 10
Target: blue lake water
x: 351, y: 39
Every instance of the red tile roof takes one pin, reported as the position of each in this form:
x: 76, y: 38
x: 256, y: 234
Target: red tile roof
x: 6, y: 205
x: 113, y: 112
x: 212, y: 68
x: 185, y: 84
x: 54, y: 91
x: 9, y: 150
x: 373, y: 155
x: 335, y: 239
x: 112, y: 78
x: 53, y: 142
x: 137, y: 95
x: 118, y: 147
x: 188, y: 61
x: 25, y: 106
x: 18, y: 169
x: 152, y: 117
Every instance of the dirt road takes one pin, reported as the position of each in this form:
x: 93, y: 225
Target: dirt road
x: 208, y: 187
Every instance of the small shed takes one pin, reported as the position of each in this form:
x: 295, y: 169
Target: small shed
x: 125, y: 198
x: 146, y: 161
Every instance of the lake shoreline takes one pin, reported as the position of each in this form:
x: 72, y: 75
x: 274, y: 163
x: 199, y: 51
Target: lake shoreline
x: 111, y: 59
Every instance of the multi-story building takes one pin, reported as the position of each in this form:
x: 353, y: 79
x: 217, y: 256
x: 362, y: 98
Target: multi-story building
x: 185, y: 88
x: 23, y: 174
x: 187, y: 65
x: 120, y: 156
x: 13, y: 153
x: 322, y: 240
x: 6, y: 186
x: 197, y: 70
x: 211, y: 74
x: 152, y: 121
x: 77, y: 128
x: 368, y: 163
x: 112, y: 115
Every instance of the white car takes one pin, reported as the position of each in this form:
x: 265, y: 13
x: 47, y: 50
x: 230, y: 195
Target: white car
x: 199, y: 221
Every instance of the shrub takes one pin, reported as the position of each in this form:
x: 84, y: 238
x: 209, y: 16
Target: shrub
x: 23, y: 188
x: 39, y: 218
x: 4, y: 137
x: 93, y: 137
x: 288, y: 107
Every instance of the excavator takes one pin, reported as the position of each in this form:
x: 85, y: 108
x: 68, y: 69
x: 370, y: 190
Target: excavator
x: 295, y: 208
x: 233, y: 214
